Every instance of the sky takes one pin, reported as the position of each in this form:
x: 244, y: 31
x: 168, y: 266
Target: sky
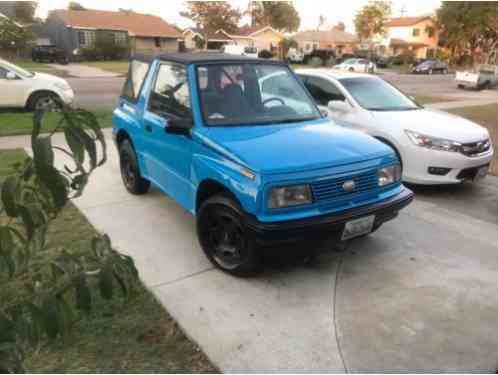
x: 333, y: 10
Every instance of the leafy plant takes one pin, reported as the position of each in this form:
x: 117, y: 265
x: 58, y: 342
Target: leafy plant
x: 49, y: 291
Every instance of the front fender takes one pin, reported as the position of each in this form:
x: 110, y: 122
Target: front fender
x: 228, y: 174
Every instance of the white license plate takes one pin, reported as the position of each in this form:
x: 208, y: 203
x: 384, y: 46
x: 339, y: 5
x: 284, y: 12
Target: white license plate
x: 358, y: 227
x: 481, y: 173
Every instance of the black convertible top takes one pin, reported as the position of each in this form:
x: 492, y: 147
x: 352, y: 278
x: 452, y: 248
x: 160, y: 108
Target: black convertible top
x: 203, y: 58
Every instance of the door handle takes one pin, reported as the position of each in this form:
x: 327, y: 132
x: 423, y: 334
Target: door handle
x: 148, y: 128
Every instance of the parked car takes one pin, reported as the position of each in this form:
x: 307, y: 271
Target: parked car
x: 233, y: 49
x: 430, y: 67
x: 382, y: 61
x: 357, y: 65
x: 49, y: 53
x: 484, y: 76
x: 434, y: 147
x: 25, y: 89
x: 295, y: 56
x: 326, y: 55
x: 240, y: 144
x: 344, y: 57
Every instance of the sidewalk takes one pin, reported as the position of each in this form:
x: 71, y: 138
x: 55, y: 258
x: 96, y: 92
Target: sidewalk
x: 84, y: 71
x: 461, y: 104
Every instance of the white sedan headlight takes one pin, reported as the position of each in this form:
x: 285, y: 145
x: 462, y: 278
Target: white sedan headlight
x: 389, y: 175
x: 288, y: 196
x: 62, y: 85
x: 433, y: 143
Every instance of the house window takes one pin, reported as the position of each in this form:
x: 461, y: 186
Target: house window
x: 430, y: 31
x: 157, y: 42
x: 86, y: 38
x: 120, y: 38
x: 416, y: 32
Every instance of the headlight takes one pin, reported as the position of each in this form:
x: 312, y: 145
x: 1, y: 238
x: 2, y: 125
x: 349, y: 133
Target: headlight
x: 288, y: 196
x: 62, y: 86
x: 389, y: 175
x: 433, y: 143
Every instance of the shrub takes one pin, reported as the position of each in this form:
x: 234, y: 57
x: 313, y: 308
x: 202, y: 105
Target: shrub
x: 265, y: 54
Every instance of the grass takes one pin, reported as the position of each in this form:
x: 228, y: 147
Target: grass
x: 21, y: 123
x: 137, y: 337
x: 426, y: 99
x: 118, y: 67
x: 39, y: 67
x: 487, y: 116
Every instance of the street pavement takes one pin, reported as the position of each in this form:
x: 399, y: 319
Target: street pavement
x: 417, y: 295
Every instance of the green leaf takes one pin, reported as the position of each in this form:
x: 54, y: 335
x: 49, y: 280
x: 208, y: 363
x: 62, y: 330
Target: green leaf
x: 42, y: 151
x: 38, y: 241
x: 66, y: 319
x: 83, y: 295
x: 37, y: 322
x: 105, y: 281
x: 28, y: 221
x: 121, y: 283
x: 7, y: 329
x: 9, y: 188
x: 74, y: 144
x: 37, y: 124
x: 50, y: 317
x: 55, y: 183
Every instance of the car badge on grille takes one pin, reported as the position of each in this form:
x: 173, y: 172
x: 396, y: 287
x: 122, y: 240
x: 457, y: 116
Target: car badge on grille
x: 349, y: 186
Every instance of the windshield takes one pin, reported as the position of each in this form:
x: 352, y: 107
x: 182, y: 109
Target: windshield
x: 252, y: 94
x: 349, y: 61
x: 16, y: 69
x: 375, y: 94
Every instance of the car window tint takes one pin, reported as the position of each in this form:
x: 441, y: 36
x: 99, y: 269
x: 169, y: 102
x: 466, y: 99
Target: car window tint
x: 171, y: 95
x: 3, y: 73
x: 136, y: 76
x: 323, y: 91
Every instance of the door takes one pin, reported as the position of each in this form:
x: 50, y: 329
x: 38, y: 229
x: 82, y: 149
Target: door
x: 168, y: 156
x: 12, y: 91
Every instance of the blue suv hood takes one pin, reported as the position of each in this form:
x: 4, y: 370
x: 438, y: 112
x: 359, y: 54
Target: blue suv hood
x: 294, y: 147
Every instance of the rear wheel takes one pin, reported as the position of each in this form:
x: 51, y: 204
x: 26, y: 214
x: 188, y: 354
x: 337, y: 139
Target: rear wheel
x: 130, y: 172
x: 43, y: 101
x: 224, y: 238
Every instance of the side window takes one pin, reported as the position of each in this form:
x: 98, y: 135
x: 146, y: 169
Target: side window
x: 136, y: 76
x: 3, y: 73
x: 323, y: 91
x: 170, y: 95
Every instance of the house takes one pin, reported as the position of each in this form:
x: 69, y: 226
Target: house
x: 194, y: 38
x: 76, y: 29
x: 261, y: 37
x: 416, y: 34
x: 342, y: 41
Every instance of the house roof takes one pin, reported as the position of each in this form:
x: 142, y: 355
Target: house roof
x: 249, y: 31
x: 405, y: 21
x: 332, y: 35
x: 136, y: 24
x: 216, y: 36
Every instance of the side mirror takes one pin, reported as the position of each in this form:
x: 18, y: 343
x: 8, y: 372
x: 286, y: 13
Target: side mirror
x: 11, y: 76
x: 339, y: 106
x: 180, y: 126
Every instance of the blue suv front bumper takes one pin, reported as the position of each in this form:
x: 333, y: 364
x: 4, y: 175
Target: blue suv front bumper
x: 325, y: 227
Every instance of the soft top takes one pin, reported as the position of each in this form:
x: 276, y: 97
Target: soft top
x: 203, y: 58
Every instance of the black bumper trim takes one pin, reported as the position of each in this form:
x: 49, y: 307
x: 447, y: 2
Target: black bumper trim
x: 328, y: 226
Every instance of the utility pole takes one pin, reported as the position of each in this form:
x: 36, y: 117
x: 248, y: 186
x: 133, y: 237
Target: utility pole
x: 403, y: 10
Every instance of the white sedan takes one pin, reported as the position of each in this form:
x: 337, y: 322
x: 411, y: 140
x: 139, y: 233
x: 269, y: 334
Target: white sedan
x: 357, y: 65
x: 23, y: 89
x: 434, y: 147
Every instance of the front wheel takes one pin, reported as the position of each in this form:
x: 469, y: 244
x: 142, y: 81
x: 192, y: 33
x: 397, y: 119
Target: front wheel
x: 130, y: 172
x: 224, y: 238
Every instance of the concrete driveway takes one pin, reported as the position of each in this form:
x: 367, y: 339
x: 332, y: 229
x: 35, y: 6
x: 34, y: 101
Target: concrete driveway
x: 421, y: 294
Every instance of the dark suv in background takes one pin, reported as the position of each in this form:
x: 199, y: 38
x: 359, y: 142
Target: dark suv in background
x: 49, y: 53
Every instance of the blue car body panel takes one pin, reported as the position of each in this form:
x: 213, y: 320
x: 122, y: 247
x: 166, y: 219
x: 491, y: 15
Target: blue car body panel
x: 280, y: 154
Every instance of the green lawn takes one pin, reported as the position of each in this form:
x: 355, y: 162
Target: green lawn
x: 119, y: 66
x: 38, y: 67
x: 138, y: 337
x: 426, y: 99
x: 19, y: 123
x: 486, y: 115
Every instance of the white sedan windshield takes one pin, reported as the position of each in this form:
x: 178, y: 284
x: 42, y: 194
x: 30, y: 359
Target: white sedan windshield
x: 375, y: 94
x: 16, y: 69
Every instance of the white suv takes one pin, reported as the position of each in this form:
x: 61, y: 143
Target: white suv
x: 24, y: 89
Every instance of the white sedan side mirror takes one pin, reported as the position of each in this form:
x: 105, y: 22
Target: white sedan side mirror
x: 10, y: 76
x: 339, y: 106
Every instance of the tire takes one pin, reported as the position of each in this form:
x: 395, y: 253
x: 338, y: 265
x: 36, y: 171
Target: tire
x: 351, y: 69
x: 430, y: 72
x: 130, y: 172
x: 44, y: 100
x: 224, y: 238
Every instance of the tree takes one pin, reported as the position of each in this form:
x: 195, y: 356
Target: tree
x: 370, y: 20
x: 211, y: 16
x: 50, y: 290
x: 281, y: 15
x: 25, y: 11
x: 286, y: 44
x: 13, y: 37
x: 73, y: 5
x: 468, y: 27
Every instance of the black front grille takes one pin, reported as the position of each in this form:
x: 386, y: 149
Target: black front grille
x: 332, y: 188
x: 476, y: 148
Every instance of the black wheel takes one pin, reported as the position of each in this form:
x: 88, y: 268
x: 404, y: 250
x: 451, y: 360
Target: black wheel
x: 44, y: 101
x: 224, y: 238
x: 130, y: 172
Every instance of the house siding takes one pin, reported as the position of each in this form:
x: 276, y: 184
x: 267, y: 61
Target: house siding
x: 148, y: 45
